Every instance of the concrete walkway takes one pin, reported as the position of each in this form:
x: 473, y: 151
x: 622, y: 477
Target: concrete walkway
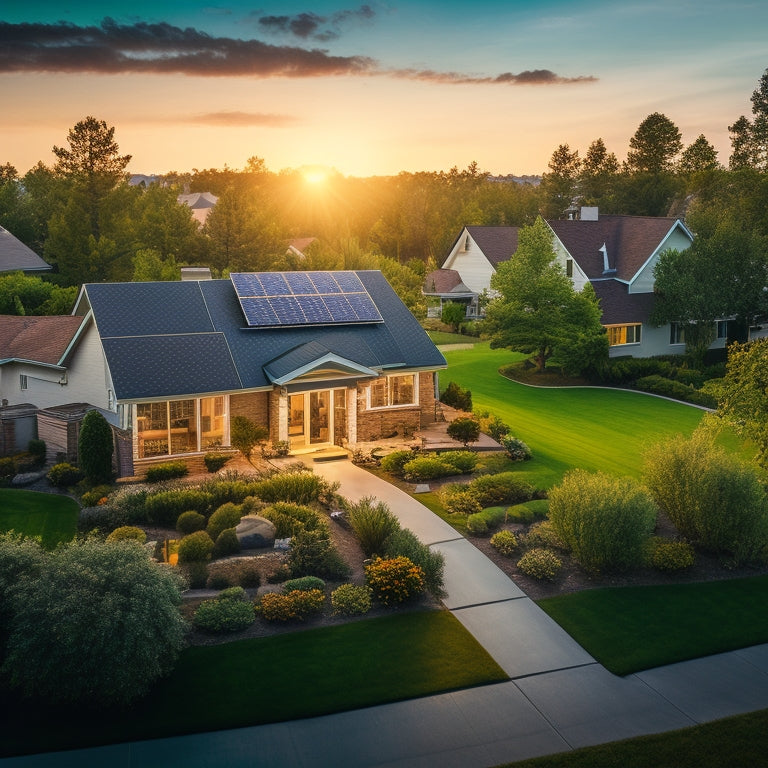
x: 559, y: 698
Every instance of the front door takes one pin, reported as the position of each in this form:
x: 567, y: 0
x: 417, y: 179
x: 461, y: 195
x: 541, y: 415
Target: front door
x: 314, y: 418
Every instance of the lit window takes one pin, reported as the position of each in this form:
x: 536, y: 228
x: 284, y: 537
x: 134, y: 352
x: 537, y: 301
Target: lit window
x: 392, y: 390
x: 623, y: 334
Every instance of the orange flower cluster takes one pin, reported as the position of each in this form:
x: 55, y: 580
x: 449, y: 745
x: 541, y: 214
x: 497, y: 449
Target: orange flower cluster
x: 394, y: 580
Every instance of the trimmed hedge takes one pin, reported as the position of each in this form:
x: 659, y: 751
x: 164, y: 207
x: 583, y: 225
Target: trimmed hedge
x: 482, y: 522
x: 164, y: 507
x: 168, y: 470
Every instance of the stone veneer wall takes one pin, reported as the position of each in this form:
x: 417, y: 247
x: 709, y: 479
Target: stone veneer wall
x: 382, y: 423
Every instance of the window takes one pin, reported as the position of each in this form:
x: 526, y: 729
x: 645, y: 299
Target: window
x: 676, y: 333
x: 22, y: 381
x: 466, y: 243
x: 392, y: 390
x: 110, y: 400
x: 569, y: 267
x: 722, y: 329
x: 623, y: 334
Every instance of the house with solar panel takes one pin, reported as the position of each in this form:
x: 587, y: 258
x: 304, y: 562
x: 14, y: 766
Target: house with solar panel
x: 321, y: 358
x: 616, y: 254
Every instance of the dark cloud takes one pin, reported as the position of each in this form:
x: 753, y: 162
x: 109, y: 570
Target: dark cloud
x: 310, y: 26
x: 112, y: 48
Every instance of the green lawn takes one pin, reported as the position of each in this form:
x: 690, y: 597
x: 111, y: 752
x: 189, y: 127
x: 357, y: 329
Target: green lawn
x: 629, y: 629
x: 284, y: 677
x: 591, y: 428
x: 446, y: 337
x: 50, y: 516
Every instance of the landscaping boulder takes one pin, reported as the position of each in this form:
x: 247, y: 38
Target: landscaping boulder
x: 255, y: 532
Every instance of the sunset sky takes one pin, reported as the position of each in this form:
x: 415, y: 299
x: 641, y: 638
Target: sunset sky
x: 372, y: 89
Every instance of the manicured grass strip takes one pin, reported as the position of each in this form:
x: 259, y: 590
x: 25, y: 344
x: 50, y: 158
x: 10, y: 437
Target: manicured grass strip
x: 736, y: 741
x: 50, y: 516
x: 284, y: 677
x: 628, y: 629
x: 445, y: 337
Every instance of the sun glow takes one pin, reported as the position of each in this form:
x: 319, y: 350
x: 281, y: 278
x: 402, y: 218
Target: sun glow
x: 315, y: 176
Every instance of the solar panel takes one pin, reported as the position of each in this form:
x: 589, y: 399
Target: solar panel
x: 290, y: 299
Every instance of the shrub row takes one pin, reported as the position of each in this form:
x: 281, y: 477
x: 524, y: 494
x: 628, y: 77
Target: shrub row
x: 658, y: 385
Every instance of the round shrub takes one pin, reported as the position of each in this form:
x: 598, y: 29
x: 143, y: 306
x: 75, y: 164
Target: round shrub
x: 459, y: 499
x: 128, y: 533
x: 713, y: 499
x: 168, y: 470
x: 394, y: 580
x: 427, y: 468
x: 164, y: 507
x: 605, y: 521
x: 540, y: 564
x: 312, y: 554
x: 97, y: 495
x: 351, y: 600
x: 290, y: 518
x: 240, y: 571
x: 64, y: 475
x: 233, y: 593
x: 395, y: 461
x: 189, y: 522
x: 515, y: 448
x: 464, y: 430
x: 303, y: 583
x: 291, y: 606
x: 195, y: 573
x: 670, y: 556
x: 505, y: 543
x: 463, y: 461
x: 477, y: 525
x: 195, y: 548
x: 226, y: 516
x: 486, y: 520
x: 501, y: 488
x: 543, y: 535
x: 224, y: 615
x: 373, y: 522
x: 226, y: 544
x: 432, y: 563
x: 457, y: 397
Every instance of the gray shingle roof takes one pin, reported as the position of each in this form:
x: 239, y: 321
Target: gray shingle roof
x: 497, y: 243
x: 14, y: 255
x: 619, y: 306
x: 166, y: 339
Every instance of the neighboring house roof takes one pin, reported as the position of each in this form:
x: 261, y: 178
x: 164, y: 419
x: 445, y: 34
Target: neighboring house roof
x: 298, y: 245
x: 497, y: 243
x: 168, y: 339
x: 621, y: 307
x: 40, y: 339
x: 442, y: 282
x: 200, y: 203
x: 629, y: 242
x: 14, y: 255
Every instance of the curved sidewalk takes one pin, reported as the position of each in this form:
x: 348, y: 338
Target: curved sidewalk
x: 558, y: 698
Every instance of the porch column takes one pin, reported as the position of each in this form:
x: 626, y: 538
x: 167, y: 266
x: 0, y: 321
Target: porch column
x: 351, y: 415
x: 282, y: 416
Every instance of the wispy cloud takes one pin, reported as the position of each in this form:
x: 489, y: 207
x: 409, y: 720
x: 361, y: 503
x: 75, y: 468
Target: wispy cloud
x: 161, y: 48
x: 311, y: 26
x: 240, y: 119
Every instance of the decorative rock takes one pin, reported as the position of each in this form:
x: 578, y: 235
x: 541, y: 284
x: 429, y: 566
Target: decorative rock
x: 25, y: 478
x: 421, y: 488
x: 283, y: 545
x: 254, y: 532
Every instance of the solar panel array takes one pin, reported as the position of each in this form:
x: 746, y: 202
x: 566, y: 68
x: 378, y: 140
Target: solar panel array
x: 280, y: 299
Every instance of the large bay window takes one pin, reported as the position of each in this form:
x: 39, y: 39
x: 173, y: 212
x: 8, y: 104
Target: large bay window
x: 180, y: 426
x: 623, y: 334
x: 387, y: 391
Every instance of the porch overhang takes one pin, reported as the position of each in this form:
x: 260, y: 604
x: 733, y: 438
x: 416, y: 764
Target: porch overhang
x: 313, y: 360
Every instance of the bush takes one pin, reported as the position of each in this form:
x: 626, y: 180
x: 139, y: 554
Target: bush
x: 245, y: 435
x: 238, y: 572
x: 168, y: 470
x: 395, y: 461
x: 464, y: 430
x: 515, y: 448
x: 492, y: 425
x: 303, y: 583
x: 427, y: 468
x: 313, y: 554
x: 7, y: 469
x: 540, y: 564
x: 528, y: 512
x: 226, y: 543
x: 189, y: 522
x: 95, y: 448
x: 669, y: 556
x: 658, y: 385
x: 64, y: 475
x: 713, y: 499
x: 543, y: 535
x: 215, y: 461
x: 605, y: 521
x: 351, y: 600
x: 95, y: 495
x: 289, y: 518
x: 37, y: 450
x: 228, y: 488
x: 164, y: 507
x: 195, y: 573
x: 226, y: 516
x: 128, y: 533
x: 456, y: 397
x: 463, y: 461
x: 292, y: 606
x: 195, y: 548
x: 459, y: 499
x: 372, y: 522
x: 224, y: 615
x: 80, y: 596
x: 628, y: 369
x: 394, y: 580
x: 482, y: 522
x: 432, y: 563
x: 505, y: 543
x: 299, y: 487
x: 503, y: 488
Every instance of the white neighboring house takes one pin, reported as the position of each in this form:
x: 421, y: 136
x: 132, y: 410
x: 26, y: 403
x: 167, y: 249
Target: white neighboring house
x: 616, y: 254
x: 201, y: 204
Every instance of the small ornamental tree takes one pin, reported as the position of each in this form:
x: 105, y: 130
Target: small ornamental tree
x: 246, y: 435
x: 95, y: 448
x: 454, y: 314
x: 465, y: 430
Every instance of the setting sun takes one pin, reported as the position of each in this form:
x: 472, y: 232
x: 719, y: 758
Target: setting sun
x: 315, y: 176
